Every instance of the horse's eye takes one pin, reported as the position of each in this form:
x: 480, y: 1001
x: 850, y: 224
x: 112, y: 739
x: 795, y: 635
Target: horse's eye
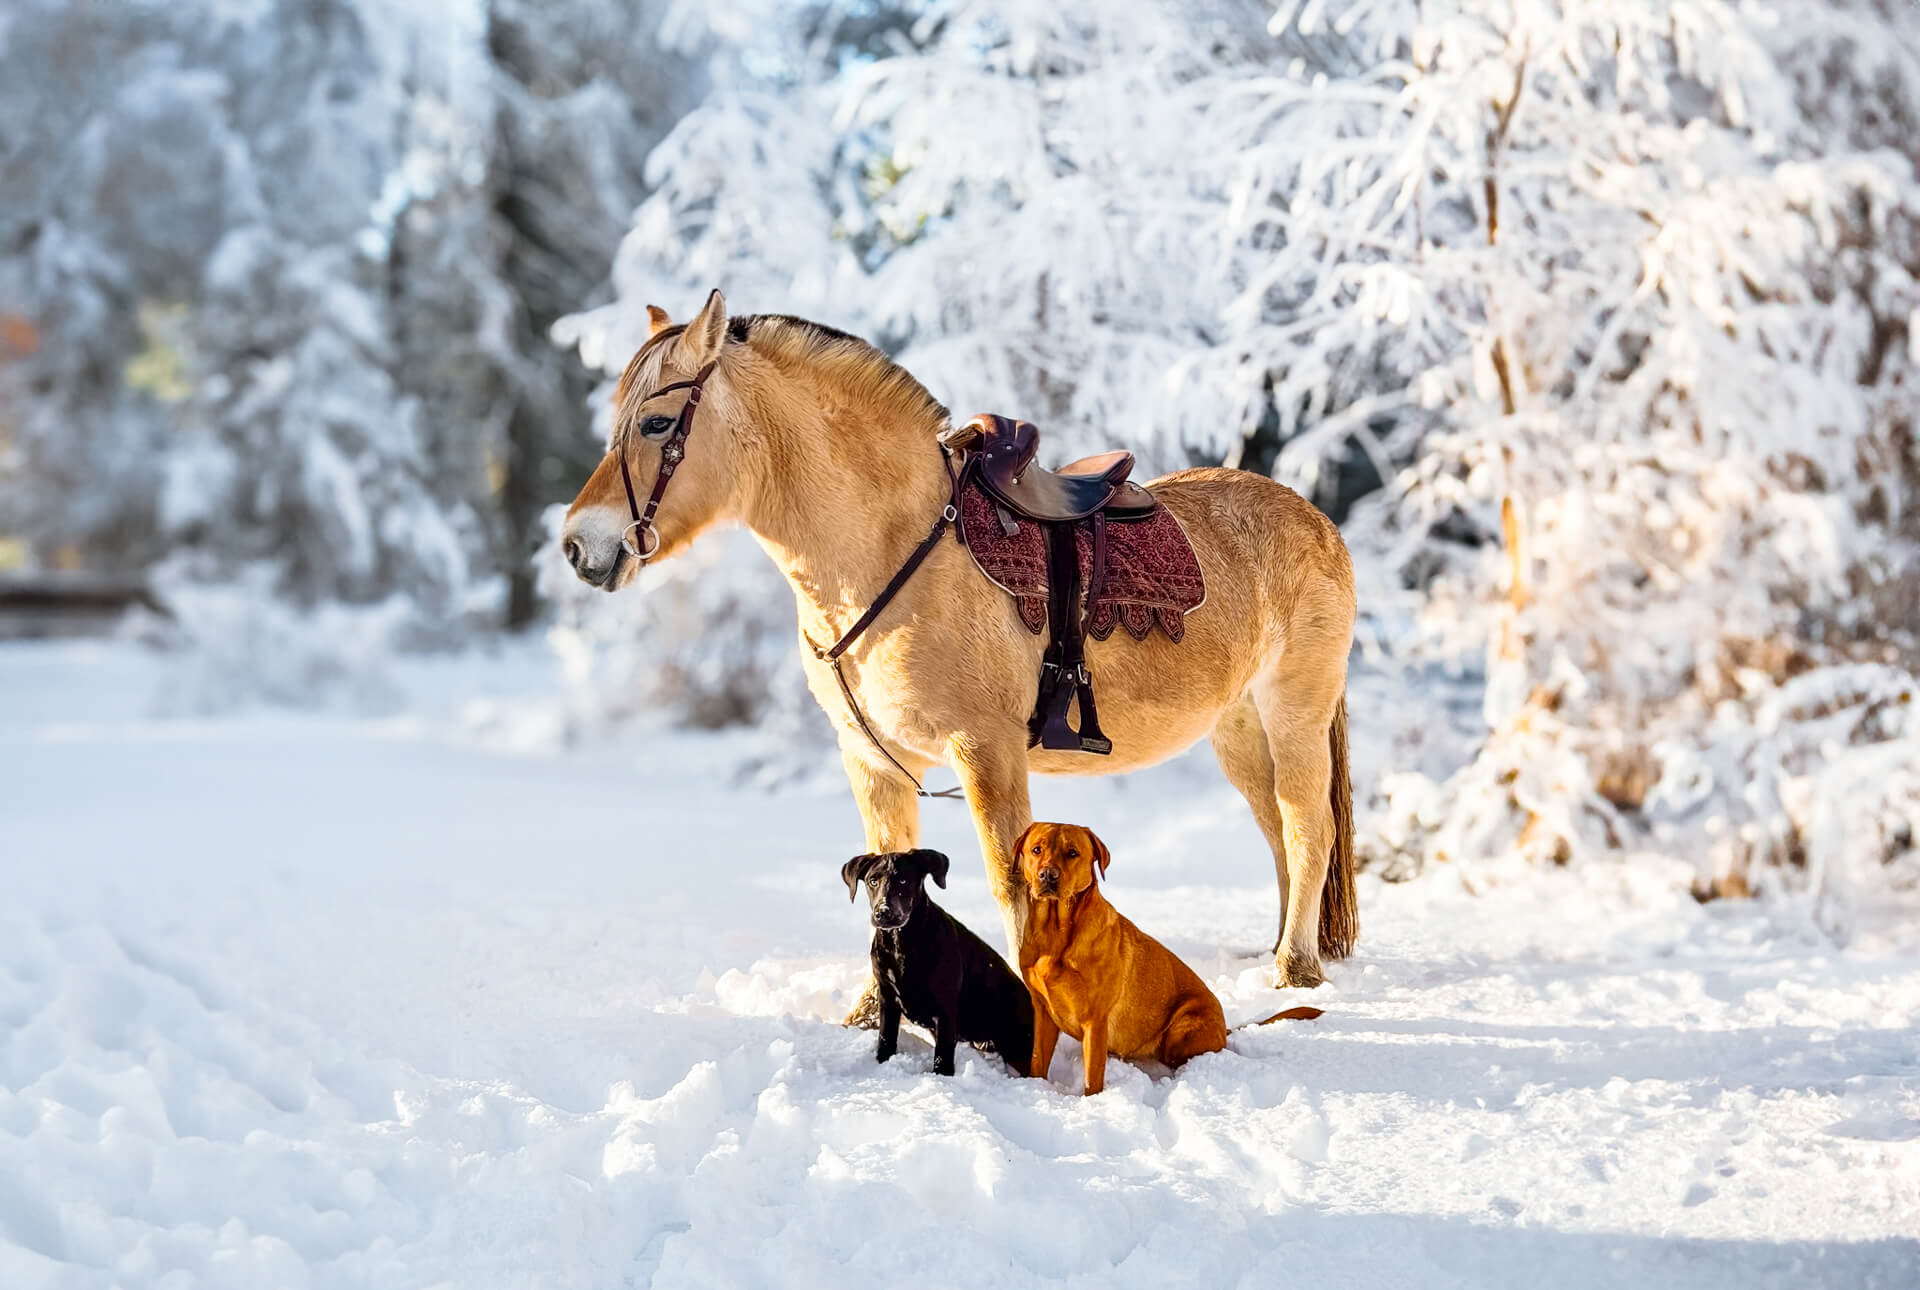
x: 655, y: 427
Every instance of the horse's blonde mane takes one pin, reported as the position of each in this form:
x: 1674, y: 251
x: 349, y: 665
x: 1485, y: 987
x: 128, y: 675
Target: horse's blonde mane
x: 853, y: 366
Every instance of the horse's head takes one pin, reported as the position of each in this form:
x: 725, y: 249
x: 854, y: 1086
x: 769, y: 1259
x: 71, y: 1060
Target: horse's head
x: 601, y: 539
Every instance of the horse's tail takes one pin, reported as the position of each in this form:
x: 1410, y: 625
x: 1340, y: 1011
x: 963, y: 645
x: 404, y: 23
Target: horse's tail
x: 1339, y: 905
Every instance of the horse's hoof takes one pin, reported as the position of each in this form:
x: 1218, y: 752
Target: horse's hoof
x: 866, y: 1013
x: 1298, y: 972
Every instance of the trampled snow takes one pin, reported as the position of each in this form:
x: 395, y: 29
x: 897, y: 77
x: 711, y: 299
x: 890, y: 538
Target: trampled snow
x: 331, y: 1002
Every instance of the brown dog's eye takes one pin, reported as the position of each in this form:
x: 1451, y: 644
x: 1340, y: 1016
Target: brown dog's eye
x: 1036, y: 848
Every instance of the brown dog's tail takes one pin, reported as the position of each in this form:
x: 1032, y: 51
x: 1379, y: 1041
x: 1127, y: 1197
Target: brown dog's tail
x: 1302, y: 1013
x: 1339, y: 905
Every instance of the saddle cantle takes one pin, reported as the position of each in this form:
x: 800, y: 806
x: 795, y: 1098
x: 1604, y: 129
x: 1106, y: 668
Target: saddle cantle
x: 1005, y: 450
x: 1081, y: 550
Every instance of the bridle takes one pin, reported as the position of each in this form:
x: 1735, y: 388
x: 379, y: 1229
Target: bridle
x: 672, y: 452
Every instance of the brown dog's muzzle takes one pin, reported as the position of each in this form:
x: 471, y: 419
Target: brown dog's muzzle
x: 1060, y: 861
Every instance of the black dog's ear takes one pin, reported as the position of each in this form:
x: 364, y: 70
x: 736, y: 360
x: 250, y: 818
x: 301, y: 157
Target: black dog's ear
x: 853, y: 871
x: 935, y: 863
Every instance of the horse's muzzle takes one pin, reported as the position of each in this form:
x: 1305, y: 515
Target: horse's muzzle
x: 592, y: 547
x: 602, y: 575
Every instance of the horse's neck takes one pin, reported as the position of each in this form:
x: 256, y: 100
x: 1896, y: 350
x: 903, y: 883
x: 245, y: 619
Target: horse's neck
x: 840, y: 503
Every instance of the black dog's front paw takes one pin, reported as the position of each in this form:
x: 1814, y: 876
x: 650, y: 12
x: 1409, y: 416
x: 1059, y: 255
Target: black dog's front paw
x: 885, y: 1051
x: 943, y: 1065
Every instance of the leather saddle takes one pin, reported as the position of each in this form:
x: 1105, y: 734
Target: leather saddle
x: 1006, y: 449
x: 1029, y: 524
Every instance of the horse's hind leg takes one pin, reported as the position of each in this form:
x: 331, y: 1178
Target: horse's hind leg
x: 1240, y: 744
x: 1297, y: 706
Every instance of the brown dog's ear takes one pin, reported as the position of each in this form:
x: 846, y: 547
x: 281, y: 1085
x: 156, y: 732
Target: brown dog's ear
x: 1100, y: 854
x: 935, y: 863
x: 1020, y: 843
x: 853, y: 871
x: 657, y: 320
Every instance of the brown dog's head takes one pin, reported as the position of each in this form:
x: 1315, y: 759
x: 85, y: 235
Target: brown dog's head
x: 1057, y: 860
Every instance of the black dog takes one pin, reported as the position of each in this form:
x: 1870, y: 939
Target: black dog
x: 933, y: 970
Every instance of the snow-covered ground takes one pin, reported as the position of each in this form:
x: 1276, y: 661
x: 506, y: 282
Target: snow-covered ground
x: 419, y: 1002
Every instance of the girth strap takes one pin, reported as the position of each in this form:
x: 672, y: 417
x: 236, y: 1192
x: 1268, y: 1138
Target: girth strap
x: 1063, y: 669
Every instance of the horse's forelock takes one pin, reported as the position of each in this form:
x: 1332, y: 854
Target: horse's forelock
x: 631, y: 391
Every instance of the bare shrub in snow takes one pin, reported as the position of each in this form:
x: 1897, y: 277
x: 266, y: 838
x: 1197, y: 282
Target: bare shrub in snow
x: 704, y: 640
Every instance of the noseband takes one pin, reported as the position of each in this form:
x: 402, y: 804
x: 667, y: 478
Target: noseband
x: 671, y: 454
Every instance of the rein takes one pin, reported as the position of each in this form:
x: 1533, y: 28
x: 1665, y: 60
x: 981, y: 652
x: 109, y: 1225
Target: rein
x: 832, y: 654
x: 672, y: 452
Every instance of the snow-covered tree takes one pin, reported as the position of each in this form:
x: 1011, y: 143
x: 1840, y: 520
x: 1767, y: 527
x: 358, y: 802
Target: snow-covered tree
x: 1618, y: 295
x: 289, y: 268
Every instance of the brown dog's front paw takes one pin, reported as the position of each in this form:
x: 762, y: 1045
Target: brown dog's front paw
x: 1298, y: 972
x: 866, y: 1013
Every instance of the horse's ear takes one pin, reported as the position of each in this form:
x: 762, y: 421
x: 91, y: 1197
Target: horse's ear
x: 935, y: 863
x: 657, y: 320
x: 701, y: 342
x: 853, y: 871
x: 1101, y: 856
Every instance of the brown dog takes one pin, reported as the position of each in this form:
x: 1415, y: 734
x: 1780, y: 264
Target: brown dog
x: 1095, y: 975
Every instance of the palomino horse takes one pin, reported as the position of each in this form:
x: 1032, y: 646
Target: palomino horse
x: 825, y: 450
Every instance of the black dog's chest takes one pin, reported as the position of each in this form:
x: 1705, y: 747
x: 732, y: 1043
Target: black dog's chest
x: 924, y: 997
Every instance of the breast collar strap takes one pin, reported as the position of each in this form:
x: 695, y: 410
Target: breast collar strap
x: 832, y: 654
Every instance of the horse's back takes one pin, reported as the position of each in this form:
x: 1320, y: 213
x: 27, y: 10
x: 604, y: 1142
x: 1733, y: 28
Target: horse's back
x: 1257, y: 535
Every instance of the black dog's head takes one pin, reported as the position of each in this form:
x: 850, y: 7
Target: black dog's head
x: 894, y: 883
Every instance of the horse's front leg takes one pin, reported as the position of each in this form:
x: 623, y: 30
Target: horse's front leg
x: 889, y: 808
x: 993, y: 771
x: 890, y: 814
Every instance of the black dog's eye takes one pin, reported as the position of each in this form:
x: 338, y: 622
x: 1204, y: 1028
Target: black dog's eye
x: 655, y: 427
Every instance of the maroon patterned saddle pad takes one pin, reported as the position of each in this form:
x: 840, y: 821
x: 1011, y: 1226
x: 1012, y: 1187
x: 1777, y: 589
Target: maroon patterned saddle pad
x: 1151, y: 575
